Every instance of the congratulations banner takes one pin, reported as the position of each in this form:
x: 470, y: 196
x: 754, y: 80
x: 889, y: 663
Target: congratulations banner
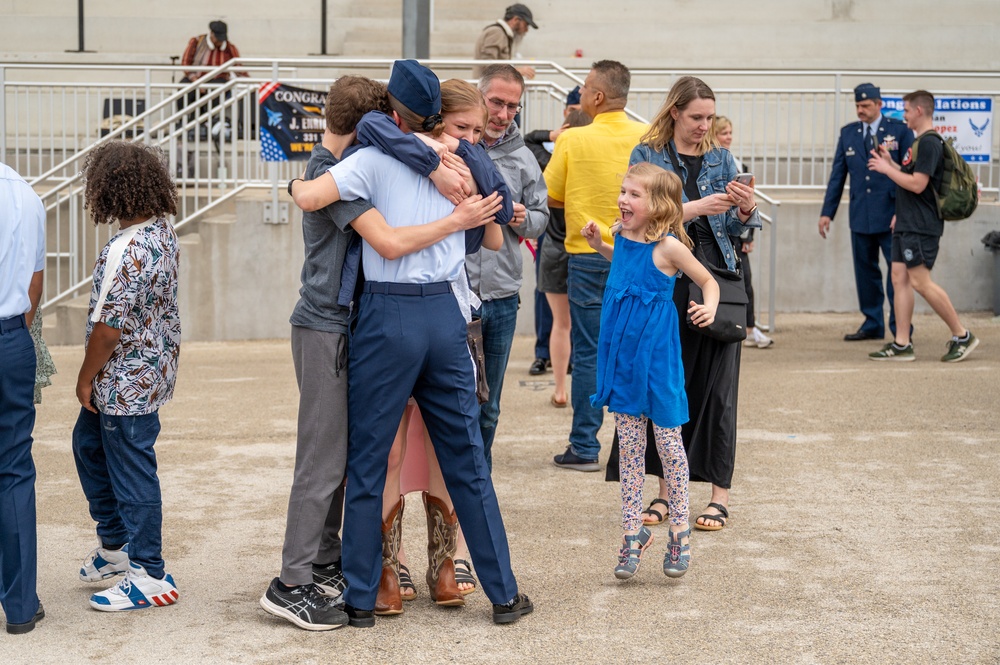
x: 291, y: 121
x: 965, y: 121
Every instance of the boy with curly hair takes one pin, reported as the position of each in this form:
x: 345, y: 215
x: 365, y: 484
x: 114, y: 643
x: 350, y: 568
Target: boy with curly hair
x: 128, y: 372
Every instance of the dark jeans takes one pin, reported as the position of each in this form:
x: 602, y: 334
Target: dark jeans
x: 588, y: 273
x: 543, y: 315
x: 18, y: 535
x: 499, y: 318
x: 117, y: 468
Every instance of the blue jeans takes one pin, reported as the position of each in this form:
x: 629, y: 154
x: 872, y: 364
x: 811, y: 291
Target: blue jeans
x: 117, y: 468
x: 588, y: 273
x: 499, y: 318
x: 543, y: 315
x: 18, y: 535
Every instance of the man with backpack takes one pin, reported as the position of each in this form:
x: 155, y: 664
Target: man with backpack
x: 927, y: 173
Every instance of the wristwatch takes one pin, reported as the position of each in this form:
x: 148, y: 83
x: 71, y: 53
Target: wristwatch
x: 290, y: 184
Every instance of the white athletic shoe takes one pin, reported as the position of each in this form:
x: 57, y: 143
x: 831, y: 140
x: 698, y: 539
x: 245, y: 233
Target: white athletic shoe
x: 758, y: 339
x: 136, y: 591
x: 103, y: 563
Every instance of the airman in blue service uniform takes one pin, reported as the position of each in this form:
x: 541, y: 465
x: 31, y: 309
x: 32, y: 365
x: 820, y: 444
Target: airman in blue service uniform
x: 410, y: 339
x: 873, y: 204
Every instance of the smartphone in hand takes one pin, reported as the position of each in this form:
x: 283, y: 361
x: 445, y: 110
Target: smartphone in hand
x: 743, y: 178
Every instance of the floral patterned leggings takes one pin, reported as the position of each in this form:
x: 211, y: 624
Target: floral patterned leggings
x: 632, y: 468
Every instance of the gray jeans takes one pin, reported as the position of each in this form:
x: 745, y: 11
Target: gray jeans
x: 316, y: 503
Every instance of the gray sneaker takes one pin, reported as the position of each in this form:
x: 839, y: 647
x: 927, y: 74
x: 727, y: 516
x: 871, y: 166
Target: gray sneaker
x: 959, y: 350
x: 892, y: 352
x: 303, y: 606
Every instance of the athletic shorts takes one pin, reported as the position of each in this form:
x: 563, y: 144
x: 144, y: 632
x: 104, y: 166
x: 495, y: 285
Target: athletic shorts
x: 553, y: 267
x: 915, y: 249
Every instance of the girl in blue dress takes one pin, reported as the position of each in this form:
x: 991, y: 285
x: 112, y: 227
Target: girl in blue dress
x: 640, y: 375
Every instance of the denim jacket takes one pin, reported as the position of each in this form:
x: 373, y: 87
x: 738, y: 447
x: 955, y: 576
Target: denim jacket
x: 717, y: 168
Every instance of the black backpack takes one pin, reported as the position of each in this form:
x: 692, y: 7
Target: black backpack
x: 959, y: 193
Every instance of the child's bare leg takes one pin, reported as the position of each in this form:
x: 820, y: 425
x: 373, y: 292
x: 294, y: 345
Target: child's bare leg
x: 559, y: 344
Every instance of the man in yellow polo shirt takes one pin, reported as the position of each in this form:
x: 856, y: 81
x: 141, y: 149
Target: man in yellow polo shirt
x: 584, y: 176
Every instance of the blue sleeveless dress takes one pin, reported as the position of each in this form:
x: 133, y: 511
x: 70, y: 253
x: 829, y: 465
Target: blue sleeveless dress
x: 639, y: 367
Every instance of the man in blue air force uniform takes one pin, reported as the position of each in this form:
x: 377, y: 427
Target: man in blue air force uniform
x: 873, y: 204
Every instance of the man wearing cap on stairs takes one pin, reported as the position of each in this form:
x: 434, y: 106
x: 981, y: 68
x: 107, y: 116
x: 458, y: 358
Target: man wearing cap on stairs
x: 206, y: 52
x: 497, y: 40
x: 410, y: 338
x: 873, y: 205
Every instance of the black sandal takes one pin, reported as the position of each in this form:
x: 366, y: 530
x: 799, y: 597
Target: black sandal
x: 406, y: 582
x: 722, y: 516
x: 463, y: 575
x: 656, y: 514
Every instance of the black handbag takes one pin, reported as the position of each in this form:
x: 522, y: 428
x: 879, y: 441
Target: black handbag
x: 731, y: 316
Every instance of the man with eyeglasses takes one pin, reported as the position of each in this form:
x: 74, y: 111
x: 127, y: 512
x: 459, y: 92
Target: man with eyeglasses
x: 495, y: 276
x: 599, y: 154
x: 497, y: 40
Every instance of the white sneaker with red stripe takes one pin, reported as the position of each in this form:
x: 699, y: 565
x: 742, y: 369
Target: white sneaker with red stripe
x: 136, y: 591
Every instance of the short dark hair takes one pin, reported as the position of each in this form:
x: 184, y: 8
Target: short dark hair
x: 615, y: 76
x: 350, y: 97
x: 499, y: 71
x: 923, y: 99
x: 124, y: 181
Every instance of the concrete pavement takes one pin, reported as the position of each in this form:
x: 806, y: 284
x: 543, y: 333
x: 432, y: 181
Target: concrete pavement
x: 864, y: 523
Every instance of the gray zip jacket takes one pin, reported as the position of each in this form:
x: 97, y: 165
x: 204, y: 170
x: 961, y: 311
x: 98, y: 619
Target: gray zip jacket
x: 497, y: 274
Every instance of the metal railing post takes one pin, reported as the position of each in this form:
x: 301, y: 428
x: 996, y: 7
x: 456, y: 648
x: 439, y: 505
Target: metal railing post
x: 772, y: 282
x: 3, y: 115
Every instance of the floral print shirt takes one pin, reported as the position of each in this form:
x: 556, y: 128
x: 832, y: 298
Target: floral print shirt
x: 135, y: 291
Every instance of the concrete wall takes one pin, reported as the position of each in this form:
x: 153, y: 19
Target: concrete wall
x: 687, y: 34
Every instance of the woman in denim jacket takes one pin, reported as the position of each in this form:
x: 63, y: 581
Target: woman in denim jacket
x: 680, y: 139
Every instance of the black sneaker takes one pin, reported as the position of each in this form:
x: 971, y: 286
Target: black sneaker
x: 330, y: 580
x: 304, y: 605
x: 514, y: 610
x: 570, y: 460
x: 539, y: 366
x: 359, y: 618
x: 27, y: 626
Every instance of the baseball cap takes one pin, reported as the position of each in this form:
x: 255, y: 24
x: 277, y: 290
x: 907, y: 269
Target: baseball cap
x: 520, y: 11
x: 219, y: 30
x: 573, y: 97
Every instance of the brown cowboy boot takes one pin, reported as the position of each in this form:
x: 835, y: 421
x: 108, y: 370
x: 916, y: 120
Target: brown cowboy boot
x: 389, y: 601
x: 442, y: 543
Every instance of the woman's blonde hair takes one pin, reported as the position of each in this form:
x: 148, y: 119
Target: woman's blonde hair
x: 458, y: 96
x: 663, y: 202
x: 721, y: 122
x: 684, y: 91
x: 415, y: 121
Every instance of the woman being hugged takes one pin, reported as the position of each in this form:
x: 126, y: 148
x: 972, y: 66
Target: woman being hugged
x: 715, y: 207
x: 640, y: 377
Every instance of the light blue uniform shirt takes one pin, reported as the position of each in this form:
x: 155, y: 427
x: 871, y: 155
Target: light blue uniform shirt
x: 22, y: 241
x: 405, y: 199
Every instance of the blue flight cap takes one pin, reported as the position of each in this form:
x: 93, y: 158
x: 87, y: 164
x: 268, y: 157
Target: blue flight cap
x: 867, y: 91
x: 573, y: 98
x: 415, y: 87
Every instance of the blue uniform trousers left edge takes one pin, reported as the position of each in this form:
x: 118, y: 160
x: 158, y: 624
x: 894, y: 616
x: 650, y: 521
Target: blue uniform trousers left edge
x: 18, y: 527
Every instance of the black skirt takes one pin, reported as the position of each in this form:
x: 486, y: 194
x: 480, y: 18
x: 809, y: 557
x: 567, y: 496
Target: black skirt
x: 711, y: 380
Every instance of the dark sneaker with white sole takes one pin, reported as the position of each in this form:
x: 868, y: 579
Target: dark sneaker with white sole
x: 330, y: 580
x: 570, y: 460
x: 892, y: 351
x: 304, y: 605
x: 511, y: 611
x: 960, y: 348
